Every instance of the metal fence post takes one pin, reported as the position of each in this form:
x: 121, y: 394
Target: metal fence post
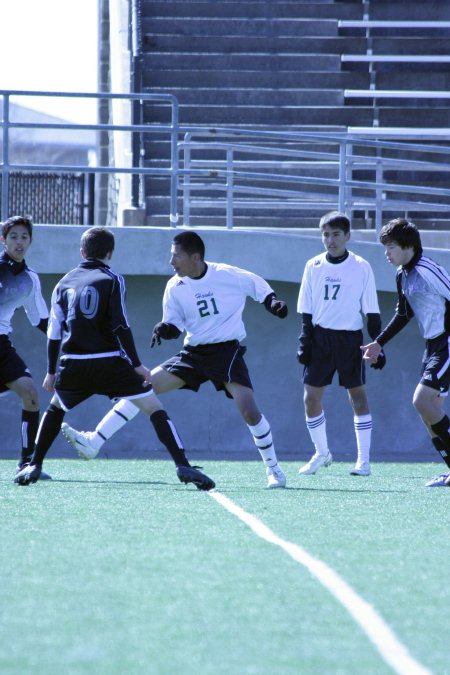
x: 5, y: 169
x: 230, y: 184
x: 173, y: 217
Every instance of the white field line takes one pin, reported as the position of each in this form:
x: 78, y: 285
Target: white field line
x: 384, y: 639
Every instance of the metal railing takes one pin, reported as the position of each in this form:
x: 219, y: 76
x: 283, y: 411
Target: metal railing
x: 118, y: 164
x: 289, y: 172
x: 236, y: 171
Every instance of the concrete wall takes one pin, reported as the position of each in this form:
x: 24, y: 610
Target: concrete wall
x: 208, y: 422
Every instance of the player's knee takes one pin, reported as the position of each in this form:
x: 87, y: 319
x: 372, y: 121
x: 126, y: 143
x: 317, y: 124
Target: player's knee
x: 419, y: 404
x: 30, y: 397
x: 425, y: 402
x: 149, y: 404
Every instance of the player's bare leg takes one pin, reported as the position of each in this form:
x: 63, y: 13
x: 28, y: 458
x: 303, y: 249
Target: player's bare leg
x: 430, y: 405
x: 260, y: 430
x: 25, y: 388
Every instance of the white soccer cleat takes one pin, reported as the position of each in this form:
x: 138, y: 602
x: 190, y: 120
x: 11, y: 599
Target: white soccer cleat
x: 81, y: 441
x: 361, y: 469
x: 275, y: 477
x: 315, y: 463
x: 440, y: 481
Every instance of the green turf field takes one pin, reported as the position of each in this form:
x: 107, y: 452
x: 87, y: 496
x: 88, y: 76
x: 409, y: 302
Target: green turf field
x: 116, y: 568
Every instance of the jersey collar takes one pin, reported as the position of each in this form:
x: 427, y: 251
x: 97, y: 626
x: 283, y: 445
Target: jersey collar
x: 14, y: 266
x: 93, y: 263
x: 413, y: 262
x: 336, y: 261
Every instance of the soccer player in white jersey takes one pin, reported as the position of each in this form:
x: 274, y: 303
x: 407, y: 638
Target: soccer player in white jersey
x: 423, y: 288
x: 336, y: 287
x: 20, y: 287
x: 206, y: 300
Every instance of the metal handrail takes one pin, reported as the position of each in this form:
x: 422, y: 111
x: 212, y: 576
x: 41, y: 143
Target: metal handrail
x: 6, y: 166
x: 245, y: 182
x: 347, y: 189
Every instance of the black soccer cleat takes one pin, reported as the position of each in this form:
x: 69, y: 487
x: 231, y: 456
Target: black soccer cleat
x: 29, y: 474
x: 191, y: 474
x: 43, y: 476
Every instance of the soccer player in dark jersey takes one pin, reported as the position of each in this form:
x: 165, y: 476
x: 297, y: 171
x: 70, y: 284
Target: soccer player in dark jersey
x: 423, y: 289
x: 88, y: 323
x: 20, y: 287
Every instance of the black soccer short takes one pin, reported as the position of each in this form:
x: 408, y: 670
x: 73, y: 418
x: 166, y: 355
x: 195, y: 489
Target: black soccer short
x: 435, y: 372
x: 219, y: 363
x: 336, y: 350
x: 12, y: 367
x: 112, y: 376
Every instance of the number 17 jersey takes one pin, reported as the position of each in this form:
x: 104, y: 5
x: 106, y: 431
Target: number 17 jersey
x: 335, y: 294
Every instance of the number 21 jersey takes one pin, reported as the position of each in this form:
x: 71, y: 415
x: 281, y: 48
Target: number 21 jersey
x: 210, y: 308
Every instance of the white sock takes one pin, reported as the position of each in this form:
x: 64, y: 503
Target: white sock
x: 262, y: 437
x: 363, y: 431
x: 115, y: 419
x: 317, y: 428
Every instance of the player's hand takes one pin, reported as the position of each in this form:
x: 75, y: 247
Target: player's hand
x: 276, y: 307
x: 371, y: 351
x: 380, y: 362
x: 279, y: 309
x: 145, y: 374
x: 304, y: 355
x: 49, y: 383
x: 156, y: 335
x: 164, y: 331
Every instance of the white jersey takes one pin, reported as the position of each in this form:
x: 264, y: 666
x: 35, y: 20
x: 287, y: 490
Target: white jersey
x: 210, y: 309
x: 336, y: 293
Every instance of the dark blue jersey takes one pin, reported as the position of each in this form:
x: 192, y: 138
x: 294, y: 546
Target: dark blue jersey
x: 88, y: 313
x: 19, y: 287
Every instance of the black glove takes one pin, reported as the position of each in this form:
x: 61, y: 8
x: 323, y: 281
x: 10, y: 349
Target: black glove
x: 380, y: 362
x: 276, y: 307
x: 304, y: 354
x: 163, y: 331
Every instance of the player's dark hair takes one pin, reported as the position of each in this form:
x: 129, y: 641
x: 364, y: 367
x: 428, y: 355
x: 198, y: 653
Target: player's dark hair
x: 191, y: 243
x: 17, y: 220
x: 337, y: 220
x: 403, y: 233
x: 97, y: 242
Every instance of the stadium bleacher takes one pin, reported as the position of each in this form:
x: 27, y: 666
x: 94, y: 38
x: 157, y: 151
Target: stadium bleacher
x: 331, y: 65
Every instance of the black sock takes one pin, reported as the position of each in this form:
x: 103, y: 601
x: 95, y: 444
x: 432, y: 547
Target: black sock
x: 440, y: 447
x: 48, y: 431
x: 442, y: 430
x: 30, y: 424
x: 167, y: 434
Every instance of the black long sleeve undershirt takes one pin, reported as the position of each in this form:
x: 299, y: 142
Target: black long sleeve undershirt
x: 42, y: 325
x: 53, y: 347
x: 394, y: 326
x: 373, y: 325
x: 126, y: 339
